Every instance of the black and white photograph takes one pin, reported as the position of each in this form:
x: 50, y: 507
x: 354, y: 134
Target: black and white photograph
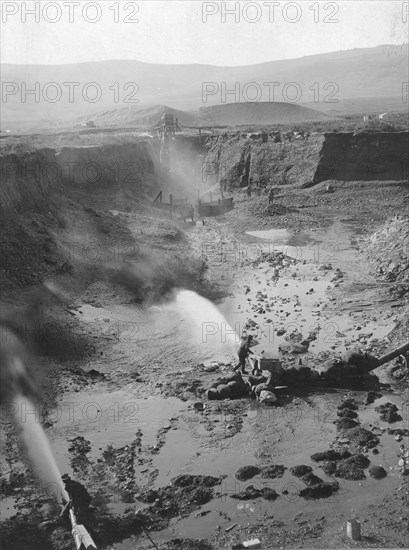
x: 204, y: 274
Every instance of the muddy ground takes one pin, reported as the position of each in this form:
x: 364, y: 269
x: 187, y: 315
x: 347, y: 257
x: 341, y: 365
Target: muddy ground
x: 129, y: 417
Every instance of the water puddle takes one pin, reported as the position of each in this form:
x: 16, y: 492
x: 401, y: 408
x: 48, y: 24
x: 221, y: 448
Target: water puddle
x: 108, y: 418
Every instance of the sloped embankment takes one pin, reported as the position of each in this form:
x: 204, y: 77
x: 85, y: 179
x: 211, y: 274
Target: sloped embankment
x: 52, y: 198
x: 305, y: 159
x: 388, y: 251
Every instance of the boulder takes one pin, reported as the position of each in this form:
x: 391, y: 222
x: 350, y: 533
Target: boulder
x: 224, y: 391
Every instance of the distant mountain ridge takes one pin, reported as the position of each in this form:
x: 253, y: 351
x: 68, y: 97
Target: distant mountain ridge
x: 321, y: 80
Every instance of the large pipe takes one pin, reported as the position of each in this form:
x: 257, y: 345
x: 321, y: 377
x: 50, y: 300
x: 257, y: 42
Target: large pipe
x: 367, y: 362
x: 82, y: 538
x: 392, y: 354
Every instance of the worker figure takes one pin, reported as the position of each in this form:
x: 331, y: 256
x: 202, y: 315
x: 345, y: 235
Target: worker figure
x: 79, y: 498
x: 271, y: 196
x: 243, y: 353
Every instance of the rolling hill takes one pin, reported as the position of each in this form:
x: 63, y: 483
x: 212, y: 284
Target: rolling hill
x: 231, y: 114
x: 103, y: 87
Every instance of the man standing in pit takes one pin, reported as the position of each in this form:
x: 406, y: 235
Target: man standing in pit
x: 271, y: 196
x: 243, y: 353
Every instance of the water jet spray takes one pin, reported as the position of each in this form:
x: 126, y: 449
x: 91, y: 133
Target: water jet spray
x: 18, y: 390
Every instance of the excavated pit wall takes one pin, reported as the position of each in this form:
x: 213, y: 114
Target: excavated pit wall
x: 48, y: 193
x: 40, y: 184
x: 30, y: 179
x: 305, y: 159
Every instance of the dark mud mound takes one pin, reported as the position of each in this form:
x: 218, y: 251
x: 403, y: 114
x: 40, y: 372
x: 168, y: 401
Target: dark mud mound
x: 371, y: 397
x: 251, y: 493
x: 311, y: 479
x: 247, y: 472
x: 345, y: 423
x: 273, y: 471
x: 388, y: 413
x: 361, y: 437
x: 347, y: 413
x: 358, y: 461
x: 348, y: 404
x: 329, y: 467
x: 300, y: 470
x: 321, y: 490
x: 330, y: 455
x: 377, y: 472
x: 185, y: 493
x: 350, y: 472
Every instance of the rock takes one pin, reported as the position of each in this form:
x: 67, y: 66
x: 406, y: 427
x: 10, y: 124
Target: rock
x: 247, y: 472
x: 330, y: 455
x: 377, y: 472
x: 347, y: 471
x: 347, y: 413
x: 251, y: 493
x: 212, y: 394
x: 371, y: 396
x: 321, y: 490
x: 388, y: 412
x: 238, y: 389
x: 345, y: 424
x: 361, y: 436
x: 329, y: 467
x: 273, y: 471
x: 348, y: 404
x: 300, y: 470
x: 224, y: 391
x: 358, y: 460
x: 311, y: 479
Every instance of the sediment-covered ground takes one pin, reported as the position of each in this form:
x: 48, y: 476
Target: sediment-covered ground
x: 123, y: 379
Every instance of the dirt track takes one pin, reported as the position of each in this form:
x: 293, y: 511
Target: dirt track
x: 147, y: 367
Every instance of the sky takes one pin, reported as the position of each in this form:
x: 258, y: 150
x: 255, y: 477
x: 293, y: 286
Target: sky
x: 192, y: 31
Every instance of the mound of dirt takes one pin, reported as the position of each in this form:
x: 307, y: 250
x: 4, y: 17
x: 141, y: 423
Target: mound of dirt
x: 329, y: 467
x: 348, y: 404
x: 345, y: 423
x: 387, y: 250
x: 330, y: 455
x: 361, y: 436
x: 311, y: 479
x: 300, y: 470
x: 247, y: 472
x: 388, y: 412
x: 321, y: 490
x: 251, y: 493
x: 347, y: 413
x: 377, y: 472
x: 272, y: 471
x: 347, y: 471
